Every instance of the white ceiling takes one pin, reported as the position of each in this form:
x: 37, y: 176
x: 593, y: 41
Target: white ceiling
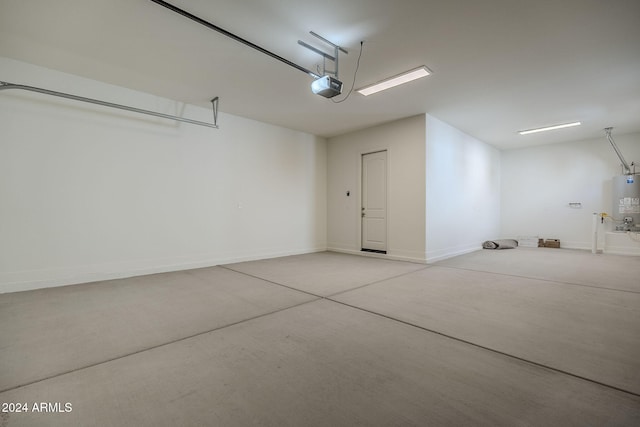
x: 499, y: 65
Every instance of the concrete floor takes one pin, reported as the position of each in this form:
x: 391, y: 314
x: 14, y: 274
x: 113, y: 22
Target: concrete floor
x: 542, y: 337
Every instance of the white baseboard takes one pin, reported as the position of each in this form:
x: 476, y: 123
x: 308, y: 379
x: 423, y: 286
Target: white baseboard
x: 568, y: 244
x: 391, y: 256
x: 47, y: 278
x: 442, y: 254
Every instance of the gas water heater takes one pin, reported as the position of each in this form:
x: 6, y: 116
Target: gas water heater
x: 625, y: 194
x: 626, y: 201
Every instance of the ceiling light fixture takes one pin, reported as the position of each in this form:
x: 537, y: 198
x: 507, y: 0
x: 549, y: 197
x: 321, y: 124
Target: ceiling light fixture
x: 405, y: 77
x: 565, y: 125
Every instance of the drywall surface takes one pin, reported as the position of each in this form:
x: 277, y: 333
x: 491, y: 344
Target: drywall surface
x: 540, y: 182
x: 462, y: 191
x: 404, y: 141
x: 90, y: 193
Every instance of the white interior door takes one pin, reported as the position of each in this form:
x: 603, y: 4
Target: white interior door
x: 374, y: 202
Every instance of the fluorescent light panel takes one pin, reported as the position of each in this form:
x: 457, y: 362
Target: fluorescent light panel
x: 395, y: 81
x: 566, y: 125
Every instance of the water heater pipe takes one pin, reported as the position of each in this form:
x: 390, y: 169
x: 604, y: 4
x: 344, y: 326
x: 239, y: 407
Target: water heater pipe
x: 617, y: 150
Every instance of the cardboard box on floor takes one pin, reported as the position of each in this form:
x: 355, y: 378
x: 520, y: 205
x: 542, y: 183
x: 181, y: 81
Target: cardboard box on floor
x: 552, y: 243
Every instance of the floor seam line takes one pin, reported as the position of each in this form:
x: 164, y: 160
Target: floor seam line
x: 511, y: 356
x: 538, y: 279
x: 330, y: 295
x: 113, y: 359
x: 271, y: 281
x: 376, y: 282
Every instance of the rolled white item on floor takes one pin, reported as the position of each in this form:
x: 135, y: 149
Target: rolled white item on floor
x: 594, y: 243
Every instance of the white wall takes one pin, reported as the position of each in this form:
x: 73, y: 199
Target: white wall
x: 405, y: 142
x: 462, y: 191
x: 89, y: 193
x: 539, y: 183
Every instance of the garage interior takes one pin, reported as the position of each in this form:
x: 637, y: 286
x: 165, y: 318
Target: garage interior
x: 307, y: 260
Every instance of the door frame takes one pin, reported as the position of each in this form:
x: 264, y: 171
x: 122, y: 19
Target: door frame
x: 362, y: 153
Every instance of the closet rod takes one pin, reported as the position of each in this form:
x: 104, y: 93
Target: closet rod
x: 214, y: 104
